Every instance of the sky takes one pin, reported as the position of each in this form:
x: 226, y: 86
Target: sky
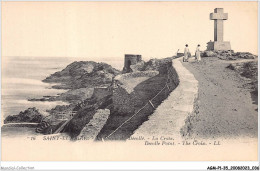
x: 95, y: 30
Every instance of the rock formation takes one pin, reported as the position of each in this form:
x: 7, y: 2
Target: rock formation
x: 83, y: 74
x: 29, y: 115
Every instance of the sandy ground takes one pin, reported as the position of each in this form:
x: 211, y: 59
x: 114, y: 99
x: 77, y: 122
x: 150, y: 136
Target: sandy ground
x: 224, y: 108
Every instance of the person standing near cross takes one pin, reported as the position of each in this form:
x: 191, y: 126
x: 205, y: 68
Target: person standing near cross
x: 197, y: 53
x: 186, y: 53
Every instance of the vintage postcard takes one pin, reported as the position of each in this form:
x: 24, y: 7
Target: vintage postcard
x: 129, y: 81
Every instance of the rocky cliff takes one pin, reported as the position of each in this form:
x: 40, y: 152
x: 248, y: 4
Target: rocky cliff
x: 83, y: 74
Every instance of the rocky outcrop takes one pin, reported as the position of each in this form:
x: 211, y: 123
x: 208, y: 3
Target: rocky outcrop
x: 71, y: 96
x: 242, y: 55
x: 152, y: 64
x: 87, y: 81
x: 83, y: 74
x: 29, y: 115
x: 155, y: 64
x: 228, y: 55
x: 208, y: 54
x: 138, y: 66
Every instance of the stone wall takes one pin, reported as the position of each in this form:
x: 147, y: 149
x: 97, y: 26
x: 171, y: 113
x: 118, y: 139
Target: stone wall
x: 125, y: 103
x: 122, y: 100
x: 142, y: 102
x: 173, y: 77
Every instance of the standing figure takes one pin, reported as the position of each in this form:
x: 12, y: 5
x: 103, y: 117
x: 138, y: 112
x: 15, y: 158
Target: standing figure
x: 186, y: 53
x: 197, y: 54
x: 177, y: 52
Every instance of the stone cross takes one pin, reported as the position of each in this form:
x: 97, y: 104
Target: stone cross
x: 218, y: 16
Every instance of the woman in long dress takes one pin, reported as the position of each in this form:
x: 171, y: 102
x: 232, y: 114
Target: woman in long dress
x: 198, y: 53
x: 186, y: 54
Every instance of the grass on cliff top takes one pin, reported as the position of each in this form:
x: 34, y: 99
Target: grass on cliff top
x: 248, y: 70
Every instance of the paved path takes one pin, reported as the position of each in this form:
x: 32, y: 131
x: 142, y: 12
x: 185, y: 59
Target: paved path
x: 169, y: 117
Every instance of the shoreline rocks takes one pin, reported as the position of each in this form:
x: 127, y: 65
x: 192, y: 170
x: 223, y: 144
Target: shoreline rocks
x: 31, y: 115
x: 83, y: 74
